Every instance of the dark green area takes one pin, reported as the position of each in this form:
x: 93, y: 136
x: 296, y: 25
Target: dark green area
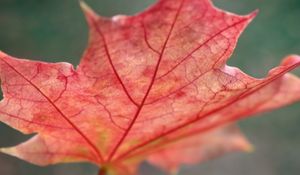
x: 55, y: 30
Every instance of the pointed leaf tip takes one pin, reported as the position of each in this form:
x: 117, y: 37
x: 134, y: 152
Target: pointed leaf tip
x: 250, y: 149
x: 254, y: 13
x: 9, y: 151
x: 291, y: 59
x: 85, y: 7
x: 247, y: 147
x: 90, y: 15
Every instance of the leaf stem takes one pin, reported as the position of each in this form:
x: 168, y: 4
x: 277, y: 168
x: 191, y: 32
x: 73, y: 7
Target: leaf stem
x: 102, y: 171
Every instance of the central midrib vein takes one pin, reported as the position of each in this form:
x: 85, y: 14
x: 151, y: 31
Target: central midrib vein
x: 140, y: 107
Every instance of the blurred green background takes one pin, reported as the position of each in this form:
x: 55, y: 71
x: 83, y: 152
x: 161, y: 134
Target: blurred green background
x: 55, y: 30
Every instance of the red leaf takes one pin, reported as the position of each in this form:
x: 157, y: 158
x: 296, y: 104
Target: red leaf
x: 200, y: 147
x: 146, y: 84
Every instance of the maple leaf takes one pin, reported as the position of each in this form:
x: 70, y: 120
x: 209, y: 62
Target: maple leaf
x: 154, y: 86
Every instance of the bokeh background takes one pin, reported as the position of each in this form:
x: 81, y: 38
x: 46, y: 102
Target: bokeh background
x: 55, y: 30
